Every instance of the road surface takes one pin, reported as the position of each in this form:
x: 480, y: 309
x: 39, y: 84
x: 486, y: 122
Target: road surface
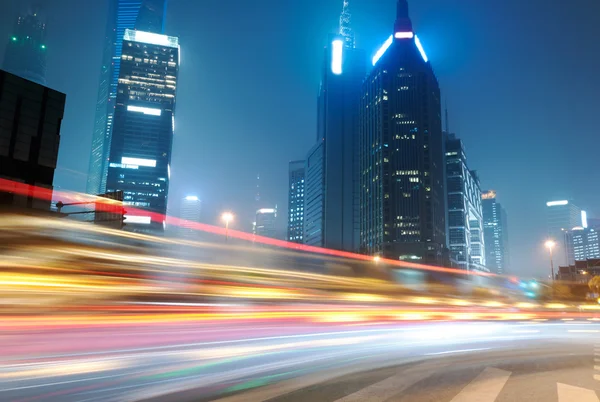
x: 299, y: 361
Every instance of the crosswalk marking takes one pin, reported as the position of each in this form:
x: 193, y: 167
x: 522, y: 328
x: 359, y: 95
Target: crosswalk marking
x: 390, y: 387
x: 569, y: 393
x: 485, y: 388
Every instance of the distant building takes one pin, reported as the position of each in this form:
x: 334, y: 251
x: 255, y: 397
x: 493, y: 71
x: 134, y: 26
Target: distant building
x: 314, y: 189
x: 495, y: 231
x: 143, y: 15
x: 582, y: 244
x: 562, y: 216
x: 142, y: 135
x: 580, y: 271
x: 190, y: 213
x: 26, y: 49
x: 334, y: 213
x: 465, y: 216
x: 296, y: 202
x: 402, y: 196
x: 30, y: 120
x: 265, y: 222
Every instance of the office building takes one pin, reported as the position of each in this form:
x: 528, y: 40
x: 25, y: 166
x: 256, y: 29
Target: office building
x: 142, y: 136
x: 333, y: 205
x: 583, y: 244
x: 402, y: 197
x: 495, y: 234
x: 189, y: 213
x: 562, y: 216
x: 30, y: 119
x: 265, y: 222
x: 25, y: 54
x: 465, y: 216
x: 296, y: 202
x: 143, y: 15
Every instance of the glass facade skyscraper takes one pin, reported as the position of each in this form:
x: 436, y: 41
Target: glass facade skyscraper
x: 334, y: 212
x: 264, y: 224
x: 296, y: 202
x: 145, y: 15
x: 402, y: 197
x: 142, y: 136
x: 562, y: 216
x: 26, y: 49
x: 465, y: 221
x: 495, y: 230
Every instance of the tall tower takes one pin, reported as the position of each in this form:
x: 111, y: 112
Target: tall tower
x: 331, y: 202
x: 142, y: 136
x: 296, y: 201
x: 145, y: 15
x: 495, y: 231
x: 26, y: 50
x: 402, y: 208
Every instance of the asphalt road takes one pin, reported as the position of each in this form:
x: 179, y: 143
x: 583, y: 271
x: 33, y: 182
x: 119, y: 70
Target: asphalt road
x: 458, y: 362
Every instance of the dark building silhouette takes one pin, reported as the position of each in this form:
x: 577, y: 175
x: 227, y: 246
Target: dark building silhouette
x: 26, y: 49
x: 332, y: 195
x: 296, y: 202
x: 142, y: 135
x: 30, y: 120
x: 402, y: 206
x: 144, y: 15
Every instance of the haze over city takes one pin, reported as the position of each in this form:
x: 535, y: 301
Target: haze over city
x: 519, y: 80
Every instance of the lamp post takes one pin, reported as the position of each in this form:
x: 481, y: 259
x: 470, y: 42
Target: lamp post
x: 550, y: 245
x: 227, y: 217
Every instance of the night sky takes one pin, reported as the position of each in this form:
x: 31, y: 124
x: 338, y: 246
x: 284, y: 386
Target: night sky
x: 521, y: 79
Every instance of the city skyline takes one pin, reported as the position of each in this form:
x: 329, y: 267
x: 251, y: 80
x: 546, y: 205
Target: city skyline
x: 522, y: 203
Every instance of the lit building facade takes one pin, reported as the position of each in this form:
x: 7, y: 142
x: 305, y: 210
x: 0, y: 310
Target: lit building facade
x: 144, y: 15
x: 295, y: 229
x: 142, y: 136
x: 562, y: 216
x: 495, y: 232
x: 402, y: 197
x: 190, y: 213
x: 26, y: 49
x: 265, y: 222
x: 465, y: 216
x: 29, y: 136
x: 583, y: 244
x: 334, y: 213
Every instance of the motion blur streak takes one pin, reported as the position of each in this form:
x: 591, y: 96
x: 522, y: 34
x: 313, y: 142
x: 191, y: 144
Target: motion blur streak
x: 28, y: 190
x: 96, y: 314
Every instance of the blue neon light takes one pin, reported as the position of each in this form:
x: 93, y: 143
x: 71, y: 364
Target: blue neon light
x: 383, y: 49
x: 420, y: 47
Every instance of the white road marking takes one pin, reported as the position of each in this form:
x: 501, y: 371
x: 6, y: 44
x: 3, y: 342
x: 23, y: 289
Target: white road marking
x: 569, y: 393
x: 583, y: 330
x: 391, y: 386
x: 485, y: 388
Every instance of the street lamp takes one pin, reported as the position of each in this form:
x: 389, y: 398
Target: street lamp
x: 227, y: 217
x: 550, y: 245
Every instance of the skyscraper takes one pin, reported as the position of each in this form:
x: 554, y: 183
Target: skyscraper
x: 29, y: 136
x: 495, y: 231
x: 333, y: 206
x: 142, y: 136
x: 562, y: 216
x: 264, y: 224
x: 582, y: 243
x: 190, y: 212
x: 465, y: 221
x: 296, y: 202
x: 144, y: 15
x: 402, y: 207
x: 26, y: 49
